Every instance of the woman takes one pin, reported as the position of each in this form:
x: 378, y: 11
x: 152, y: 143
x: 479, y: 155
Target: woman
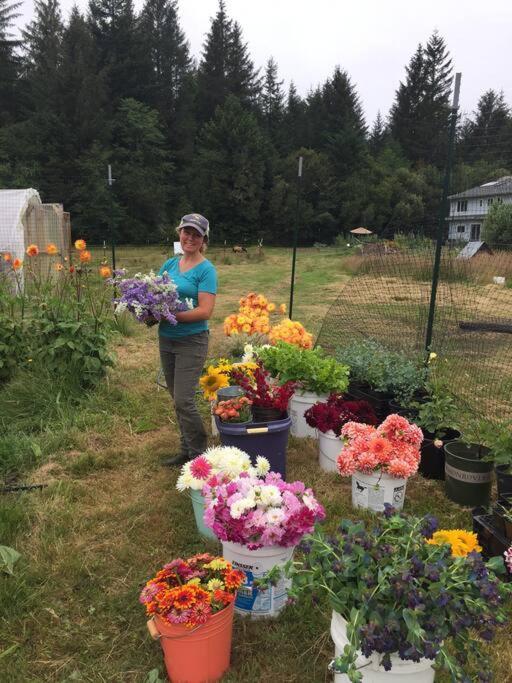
x: 183, y: 347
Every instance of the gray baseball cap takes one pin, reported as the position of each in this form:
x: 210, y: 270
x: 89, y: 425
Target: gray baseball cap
x: 195, y: 220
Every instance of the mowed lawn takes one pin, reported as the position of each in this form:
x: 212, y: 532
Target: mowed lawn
x: 110, y: 515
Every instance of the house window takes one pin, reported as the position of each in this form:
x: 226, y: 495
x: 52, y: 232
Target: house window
x: 462, y: 205
x: 490, y: 201
x: 499, y: 200
x: 481, y: 203
x: 475, y: 232
x: 461, y: 228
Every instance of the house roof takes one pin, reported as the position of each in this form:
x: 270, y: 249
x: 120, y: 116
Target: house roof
x: 472, y: 248
x: 361, y: 231
x: 496, y: 187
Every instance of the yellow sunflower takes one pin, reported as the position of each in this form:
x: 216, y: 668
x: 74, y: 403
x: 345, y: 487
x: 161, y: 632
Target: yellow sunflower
x: 212, y: 382
x: 461, y: 542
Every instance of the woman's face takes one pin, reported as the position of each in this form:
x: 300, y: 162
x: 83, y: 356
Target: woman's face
x: 191, y: 241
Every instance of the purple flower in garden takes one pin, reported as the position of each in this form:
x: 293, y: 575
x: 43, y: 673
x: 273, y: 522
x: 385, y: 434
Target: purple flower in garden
x: 148, y: 297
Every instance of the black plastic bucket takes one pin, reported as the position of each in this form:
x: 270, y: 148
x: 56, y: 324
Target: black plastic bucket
x: 269, y: 439
x: 378, y: 400
x: 261, y: 414
x: 432, y: 456
x: 468, y: 477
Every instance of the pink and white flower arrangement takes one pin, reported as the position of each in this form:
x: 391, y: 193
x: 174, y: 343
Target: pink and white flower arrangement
x: 260, y: 512
x: 392, y: 447
x: 219, y: 465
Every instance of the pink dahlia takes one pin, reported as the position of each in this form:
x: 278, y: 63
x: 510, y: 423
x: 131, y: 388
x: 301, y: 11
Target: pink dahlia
x: 401, y: 469
x: 200, y: 468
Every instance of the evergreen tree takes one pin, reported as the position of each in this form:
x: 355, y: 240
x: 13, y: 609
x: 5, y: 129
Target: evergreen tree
x: 229, y: 172
x: 212, y: 73
x: 226, y: 67
x: 122, y: 51
x: 404, y: 117
x: 43, y: 55
x: 378, y: 135
x: 142, y: 170
x: 9, y: 62
x: 170, y: 58
x: 272, y: 101
x: 343, y: 126
x: 294, y: 133
x: 487, y: 135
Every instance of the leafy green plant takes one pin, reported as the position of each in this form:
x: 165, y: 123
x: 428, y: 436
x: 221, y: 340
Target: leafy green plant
x: 404, y: 590
x: 383, y: 370
x: 14, y: 339
x: 499, y: 440
x: 8, y: 558
x: 437, y: 414
x: 315, y: 371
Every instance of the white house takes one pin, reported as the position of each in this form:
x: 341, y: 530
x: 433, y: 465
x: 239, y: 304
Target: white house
x: 468, y: 209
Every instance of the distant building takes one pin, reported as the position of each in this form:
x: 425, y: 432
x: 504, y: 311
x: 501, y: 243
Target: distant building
x: 469, y: 209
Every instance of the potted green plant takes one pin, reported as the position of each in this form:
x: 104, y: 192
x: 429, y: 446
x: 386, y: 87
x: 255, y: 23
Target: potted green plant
x: 499, y: 440
x: 384, y: 377
x: 316, y: 374
x: 406, y: 598
x: 437, y: 417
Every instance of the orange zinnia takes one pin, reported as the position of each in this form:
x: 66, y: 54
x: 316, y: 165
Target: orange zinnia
x: 184, y: 597
x: 85, y: 256
x: 7, y: 256
x: 80, y: 245
x: 51, y: 249
x: 105, y: 271
x: 17, y: 263
x: 32, y: 250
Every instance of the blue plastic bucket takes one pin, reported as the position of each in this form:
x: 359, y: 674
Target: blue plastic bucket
x: 269, y: 439
x: 198, y: 505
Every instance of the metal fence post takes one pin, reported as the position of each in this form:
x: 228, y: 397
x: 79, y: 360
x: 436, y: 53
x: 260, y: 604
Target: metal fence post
x: 442, y: 213
x: 295, y: 235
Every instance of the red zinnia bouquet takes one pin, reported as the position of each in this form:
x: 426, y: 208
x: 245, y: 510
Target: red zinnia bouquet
x: 189, y: 591
x: 261, y: 392
x: 336, y: 411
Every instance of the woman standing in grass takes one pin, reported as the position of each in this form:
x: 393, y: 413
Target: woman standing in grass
x: 183, y: 347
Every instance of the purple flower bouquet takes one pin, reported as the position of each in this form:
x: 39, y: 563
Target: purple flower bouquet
x: 150, y: 298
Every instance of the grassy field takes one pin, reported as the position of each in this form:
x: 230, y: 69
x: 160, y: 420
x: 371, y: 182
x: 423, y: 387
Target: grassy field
x: 110, y: 515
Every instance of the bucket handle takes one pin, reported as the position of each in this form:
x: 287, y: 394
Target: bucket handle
x: 156, y: 635
x: 257, y: 430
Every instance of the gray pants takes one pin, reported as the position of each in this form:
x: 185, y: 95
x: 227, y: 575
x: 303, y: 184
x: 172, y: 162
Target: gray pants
x: 182, y: 362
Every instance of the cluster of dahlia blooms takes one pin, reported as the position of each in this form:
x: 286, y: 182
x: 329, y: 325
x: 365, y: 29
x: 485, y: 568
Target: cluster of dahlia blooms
x: 392, y: 447
x: 260, y: 512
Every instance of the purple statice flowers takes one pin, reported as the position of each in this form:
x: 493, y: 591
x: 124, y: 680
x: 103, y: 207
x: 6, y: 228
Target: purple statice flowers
x: 150, y: 298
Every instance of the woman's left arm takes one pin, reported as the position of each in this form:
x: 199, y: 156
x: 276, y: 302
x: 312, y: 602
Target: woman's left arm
x: 203, y: 310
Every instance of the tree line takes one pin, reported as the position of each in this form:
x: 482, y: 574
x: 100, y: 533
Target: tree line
x: 220, y: 136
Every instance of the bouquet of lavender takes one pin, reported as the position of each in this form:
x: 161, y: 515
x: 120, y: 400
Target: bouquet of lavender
x: 150, y: 298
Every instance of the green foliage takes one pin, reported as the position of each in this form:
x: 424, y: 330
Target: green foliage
x: 386, y: 371
x: 14, y: 342
x: 8, y: 558
x: 312, y: 368
x: 498, y: 225
x: 439, y: 412
x: 499, y: 440
x: 398, y: 593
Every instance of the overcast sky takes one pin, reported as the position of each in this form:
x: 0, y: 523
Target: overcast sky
x: 371, y: 39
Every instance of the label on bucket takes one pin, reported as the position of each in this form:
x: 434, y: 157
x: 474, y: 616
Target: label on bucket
x: 257, y: 602
x: 468, y: 477
x: 373, y: 496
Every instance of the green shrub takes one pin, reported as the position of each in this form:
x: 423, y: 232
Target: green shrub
x: 13, y: 346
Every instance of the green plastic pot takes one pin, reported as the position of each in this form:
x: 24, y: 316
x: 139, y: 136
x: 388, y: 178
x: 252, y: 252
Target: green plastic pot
x: 468, y: 478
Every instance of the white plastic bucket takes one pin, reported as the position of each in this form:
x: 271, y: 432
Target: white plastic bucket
x: 371, y: 491
x: 255, y: 564
x: 401, y: 671
x: 299, y: 403
x: 329, y: 447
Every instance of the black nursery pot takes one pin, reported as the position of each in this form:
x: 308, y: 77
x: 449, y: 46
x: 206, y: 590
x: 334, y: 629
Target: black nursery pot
x: 378, y: 400
x: 468, y: 477
x: 492, y: 541
x: 261, y: 414
x: 432, y: 456
x: 504, y: 480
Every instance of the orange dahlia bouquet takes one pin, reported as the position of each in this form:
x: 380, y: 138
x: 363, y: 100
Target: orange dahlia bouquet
x: 190, y: 591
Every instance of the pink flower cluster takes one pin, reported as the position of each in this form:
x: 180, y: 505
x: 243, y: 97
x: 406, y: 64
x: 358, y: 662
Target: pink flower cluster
x: 260, y: 512
x: 392, y: 447
x: 508, y: 559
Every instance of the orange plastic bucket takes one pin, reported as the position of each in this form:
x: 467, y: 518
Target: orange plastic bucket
x: 197, y: 655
